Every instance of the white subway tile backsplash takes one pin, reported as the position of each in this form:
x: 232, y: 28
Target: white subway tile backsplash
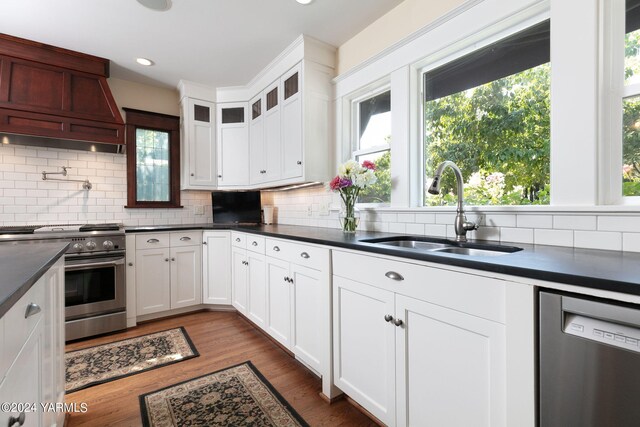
x: 534, y: 221
x: 406, y: 217
x: 426, y: 218
x: 619, y: 223
x: 575, y: 222
x: 415, y: 229
x: 436, y: 230
x: 553, y: 237
x: 397, y: 227
x: 598, y: 240
x: 518, y: 235
x: 495, y: 220
x: 631, y: 242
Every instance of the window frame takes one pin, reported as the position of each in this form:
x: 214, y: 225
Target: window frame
x: 355, y: 100
x: 453, y: 53
x: 139, y: 119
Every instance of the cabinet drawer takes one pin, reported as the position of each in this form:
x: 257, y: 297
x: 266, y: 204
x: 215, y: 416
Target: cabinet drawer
x: 255, y: 243
x: 17, y: 328
x: 152, y: 240
x: 185, y: 238
x: 477, y: 295
x: 239, y: 240
x: 309, y: 256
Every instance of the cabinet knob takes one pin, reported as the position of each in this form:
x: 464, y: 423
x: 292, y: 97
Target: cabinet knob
x: 398, y: 322
x: 204, y: 243
x: 166, y: 259
x: 237, y: 239
x: 193, y: 174
x: 19, y: 420
x: 219, y: 176
x: 299, y: 162
x: 130, y: 264
x: 388, y: 318
x: 173, y: 259
x: 254, y: 243
x: 394, y: 276
x: 276, y: 249
x: 305, y: 255
x: 286, y: 279
x: 32, y: 309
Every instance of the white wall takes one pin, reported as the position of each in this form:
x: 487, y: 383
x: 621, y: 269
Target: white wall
x: 406, y: 18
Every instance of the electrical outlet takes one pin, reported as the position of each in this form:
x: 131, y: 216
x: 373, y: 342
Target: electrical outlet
x: 324, y: 209
x: 309, y: 210
x: 198, y: 210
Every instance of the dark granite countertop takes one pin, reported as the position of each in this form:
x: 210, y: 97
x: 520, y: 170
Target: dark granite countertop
x: 22, y: 263
x: 599, y: 269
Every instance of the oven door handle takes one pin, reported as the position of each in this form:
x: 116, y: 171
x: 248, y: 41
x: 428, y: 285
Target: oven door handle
x: 114, y: 263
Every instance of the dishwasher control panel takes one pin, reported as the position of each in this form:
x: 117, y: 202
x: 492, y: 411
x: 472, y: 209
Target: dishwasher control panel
x: 617, y: 335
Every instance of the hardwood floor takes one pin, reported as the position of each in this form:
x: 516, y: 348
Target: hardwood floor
x: 223, y: 339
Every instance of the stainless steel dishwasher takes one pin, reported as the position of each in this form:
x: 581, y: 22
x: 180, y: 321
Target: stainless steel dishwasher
x: 589, y: 362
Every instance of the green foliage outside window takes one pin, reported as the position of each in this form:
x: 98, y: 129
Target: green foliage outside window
x: 499, y: 136
x: 631, y: 119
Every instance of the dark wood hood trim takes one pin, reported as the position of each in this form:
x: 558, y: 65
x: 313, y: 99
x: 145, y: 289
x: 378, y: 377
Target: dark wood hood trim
x: 52, y: 55
x: 52, y: 92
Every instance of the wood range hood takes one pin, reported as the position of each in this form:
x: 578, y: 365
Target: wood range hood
x: 57, y: 98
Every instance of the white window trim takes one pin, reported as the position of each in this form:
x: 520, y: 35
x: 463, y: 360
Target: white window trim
x: 354, y: 100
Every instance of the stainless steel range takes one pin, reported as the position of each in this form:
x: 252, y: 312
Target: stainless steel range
x: 95, y: 288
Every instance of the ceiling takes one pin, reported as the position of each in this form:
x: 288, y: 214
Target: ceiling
x: 214, y: 42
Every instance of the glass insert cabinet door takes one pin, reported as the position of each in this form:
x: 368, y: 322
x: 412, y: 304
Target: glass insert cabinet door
x: 152, y: 165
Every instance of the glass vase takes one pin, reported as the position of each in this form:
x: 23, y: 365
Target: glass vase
x: 349, y: 215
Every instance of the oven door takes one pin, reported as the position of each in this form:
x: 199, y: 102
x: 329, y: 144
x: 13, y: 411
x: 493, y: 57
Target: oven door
x: 94, y: 286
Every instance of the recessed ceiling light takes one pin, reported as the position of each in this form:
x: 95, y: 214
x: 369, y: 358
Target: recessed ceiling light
x: 144, y: 61
x: 299, y: 1
x: 158, y: 5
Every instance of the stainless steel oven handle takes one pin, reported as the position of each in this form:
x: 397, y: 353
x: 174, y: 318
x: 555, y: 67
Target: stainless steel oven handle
x: 95, y: 264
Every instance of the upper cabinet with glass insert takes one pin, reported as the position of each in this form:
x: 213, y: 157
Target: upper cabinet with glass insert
x: 232, y: 145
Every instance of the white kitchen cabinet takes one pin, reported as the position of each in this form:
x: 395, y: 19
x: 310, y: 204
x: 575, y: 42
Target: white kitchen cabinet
x: 417, y: 345
x: 292, y: 122
x: 239, y: 279
x: 186, y: 271
x: 35, y: 372
x: 257, y: 150
x: 272, y: 163
x: 216, y: 267
x: 232, y: 145
x: 168, y: 271
x: 279, y: 301
x: 249, y: 282
x: 198, y: 145
x: 364, y: 346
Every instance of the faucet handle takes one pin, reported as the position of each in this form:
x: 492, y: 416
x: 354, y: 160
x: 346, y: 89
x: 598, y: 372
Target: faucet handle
x: 469, y: 226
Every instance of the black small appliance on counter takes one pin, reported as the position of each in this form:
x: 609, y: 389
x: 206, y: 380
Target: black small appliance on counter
x: 236, y: 207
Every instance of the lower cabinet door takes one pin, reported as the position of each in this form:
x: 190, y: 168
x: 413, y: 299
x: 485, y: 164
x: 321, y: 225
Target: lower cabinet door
x: 257, y: 283
x: 451, y: 367
x: 22, y: 387
x: 279, y: 301
x: 186, y: 276
x: 153, y: 292
x: 216, y: 280
x: 239, y: 279
x: 306, y: 312
x: 364, y: 346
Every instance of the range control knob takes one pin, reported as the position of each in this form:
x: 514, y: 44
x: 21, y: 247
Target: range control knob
x: 91, y: 245
x: 107, y: 245
x: 77, y: 247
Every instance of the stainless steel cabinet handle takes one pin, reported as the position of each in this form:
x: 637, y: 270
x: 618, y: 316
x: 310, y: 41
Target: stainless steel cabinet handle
x: 130, y: 264
x: 219, y: 176
x: 166, y: 259
x: 388, y: 318
x: 286, y: 279
x: 32, y: 309
x: 394, y: 276
x: 254, y: 243
x: 398, y: 322
x: 204, y: 243
x: 298, y: 162
x: 193, y: 174
x: 185, y: 239
x: 173, y: 259
x: 19, y: 420
x: 237, y: 239
x: 304, y: 255
x: 153, y: 241
x: 277, y: 249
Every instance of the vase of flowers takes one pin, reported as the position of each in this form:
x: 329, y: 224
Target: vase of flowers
x: 352, y: 177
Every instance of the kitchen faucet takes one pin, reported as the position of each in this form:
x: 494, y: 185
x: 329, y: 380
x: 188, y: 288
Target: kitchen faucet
x: 461, y: 225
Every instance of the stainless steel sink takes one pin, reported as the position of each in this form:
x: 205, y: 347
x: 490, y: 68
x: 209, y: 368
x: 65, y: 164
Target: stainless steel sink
x: 443, y: 246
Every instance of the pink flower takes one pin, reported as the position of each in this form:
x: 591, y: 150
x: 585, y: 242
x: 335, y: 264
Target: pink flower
x: 338, y: 183
x: 368, y: 164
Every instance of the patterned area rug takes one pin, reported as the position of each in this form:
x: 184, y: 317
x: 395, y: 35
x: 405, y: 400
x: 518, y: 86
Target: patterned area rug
x: 108, y: 362
x: 236, y: 396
